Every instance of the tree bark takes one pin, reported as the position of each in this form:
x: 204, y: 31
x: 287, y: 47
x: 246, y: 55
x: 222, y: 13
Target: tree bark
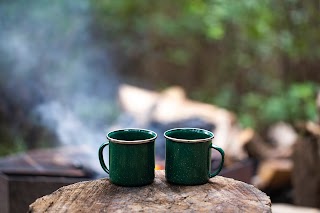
x: 306, y: 173
x: 218, y: 195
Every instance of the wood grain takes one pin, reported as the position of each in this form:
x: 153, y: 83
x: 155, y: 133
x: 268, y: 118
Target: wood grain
x: 219, y: 195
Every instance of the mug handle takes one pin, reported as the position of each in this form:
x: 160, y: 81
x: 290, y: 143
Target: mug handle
x: 103, y: 165
x: 222, y: 160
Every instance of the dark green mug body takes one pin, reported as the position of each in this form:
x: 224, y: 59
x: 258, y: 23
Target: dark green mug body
x: 131, y: 157
x: 188, y: 156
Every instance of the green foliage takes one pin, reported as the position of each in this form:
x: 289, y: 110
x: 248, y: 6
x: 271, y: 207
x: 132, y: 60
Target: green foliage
x: 10, y: 143
x: 262, y: 26
x: 292, y: 104
x: 243, y: 53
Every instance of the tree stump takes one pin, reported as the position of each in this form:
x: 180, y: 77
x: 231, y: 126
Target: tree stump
x: 219, y: 195
x: 306, y: 172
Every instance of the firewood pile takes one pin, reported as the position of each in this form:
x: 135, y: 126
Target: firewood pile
x: 287, y: 157
x: 171, y: 108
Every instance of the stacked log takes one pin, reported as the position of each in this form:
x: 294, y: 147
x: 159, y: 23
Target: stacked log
x: 172, y: 105
x: 283, y: 157
x: 239, y: 144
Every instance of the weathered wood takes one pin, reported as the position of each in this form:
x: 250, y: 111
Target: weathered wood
x: 259, y: 149
x: 219, y: 195
x: 306, y: 172
x: 57, y: 162
x: 273, y: 174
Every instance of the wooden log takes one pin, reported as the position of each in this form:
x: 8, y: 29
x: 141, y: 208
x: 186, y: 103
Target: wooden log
x: 219, y: 195
x: 282, y: 135
x: 273, y: 174
x: 306, y: 172
x: 172, y: 105
x: 259, y: 149
x: 137, y: 102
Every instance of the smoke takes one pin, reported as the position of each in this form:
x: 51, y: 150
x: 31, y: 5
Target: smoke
x: 50, y: 64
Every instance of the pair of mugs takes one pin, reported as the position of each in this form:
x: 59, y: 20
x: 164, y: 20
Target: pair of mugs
x: 132, y: 156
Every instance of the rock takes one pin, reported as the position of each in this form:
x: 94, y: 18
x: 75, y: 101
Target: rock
x: 219, y: 195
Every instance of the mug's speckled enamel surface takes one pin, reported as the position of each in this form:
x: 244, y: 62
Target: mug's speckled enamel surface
x: 188, y: 156
x: 131, y: 157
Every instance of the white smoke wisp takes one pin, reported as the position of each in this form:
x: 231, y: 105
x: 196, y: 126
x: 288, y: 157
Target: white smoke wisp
x: 68, y: 127
x: 72, y: 131
x: 46, y: 48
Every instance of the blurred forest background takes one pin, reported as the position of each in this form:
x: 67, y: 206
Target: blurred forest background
x: 259, y: 59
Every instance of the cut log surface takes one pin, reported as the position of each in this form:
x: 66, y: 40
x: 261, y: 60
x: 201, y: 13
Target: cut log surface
x: 218, y: 195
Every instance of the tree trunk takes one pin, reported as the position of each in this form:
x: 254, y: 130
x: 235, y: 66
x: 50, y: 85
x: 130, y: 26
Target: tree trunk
x: 306, y: 172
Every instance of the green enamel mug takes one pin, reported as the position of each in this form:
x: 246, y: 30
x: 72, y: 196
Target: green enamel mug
x: 188, y: 156
x: 131, y: 157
